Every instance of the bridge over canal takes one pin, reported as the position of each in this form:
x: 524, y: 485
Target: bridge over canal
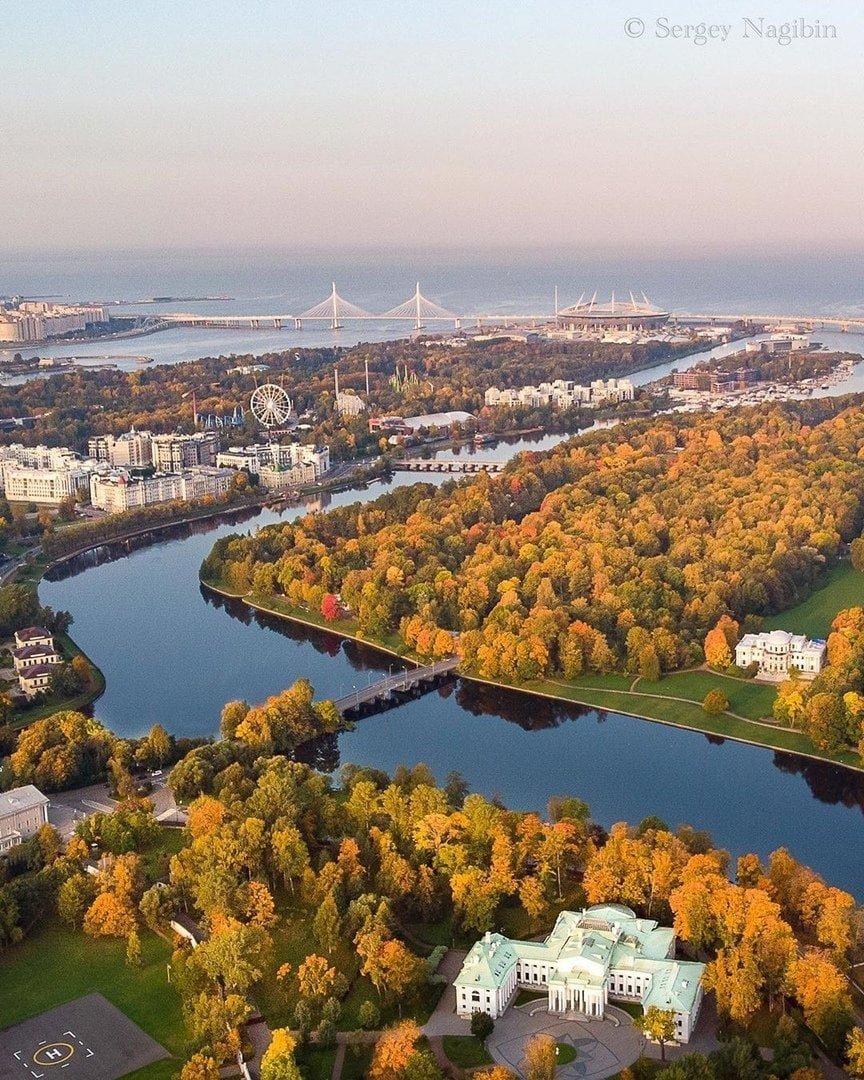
x: 466, y: 465
x: 424, y: 677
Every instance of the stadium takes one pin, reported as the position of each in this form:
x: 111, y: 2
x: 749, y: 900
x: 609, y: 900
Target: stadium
x: 612, y: 314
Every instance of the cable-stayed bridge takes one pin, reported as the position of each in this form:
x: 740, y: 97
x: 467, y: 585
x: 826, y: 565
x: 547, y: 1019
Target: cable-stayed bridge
x: 420, y: 310
x: 336, y: 310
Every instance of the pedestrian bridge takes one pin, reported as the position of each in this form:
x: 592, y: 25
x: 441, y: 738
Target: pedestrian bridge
x: 423, y: 677
x: 466, y: 465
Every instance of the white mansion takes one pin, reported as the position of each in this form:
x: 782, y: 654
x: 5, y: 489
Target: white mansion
x: 593, y: 956
x: 777, y: 651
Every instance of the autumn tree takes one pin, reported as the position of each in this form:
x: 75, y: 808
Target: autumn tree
x: 658, y: 1025
x: 393, y: 1051
x: 715, y: 702
x: 200, y: 1067
x: 316, y: 980
x: 720, y: 643
x: 823, y: 994
x: 278, y: 1062
x: 541, y: 1058
x: 855, y: 1039
x: 233, y: 715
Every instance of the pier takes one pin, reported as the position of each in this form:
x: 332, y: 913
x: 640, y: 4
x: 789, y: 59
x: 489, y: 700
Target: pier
x: 430, y: 465
x: 423, y: 677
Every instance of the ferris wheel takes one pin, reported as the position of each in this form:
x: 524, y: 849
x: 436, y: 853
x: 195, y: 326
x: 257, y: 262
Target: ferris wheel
x: 270, y: 405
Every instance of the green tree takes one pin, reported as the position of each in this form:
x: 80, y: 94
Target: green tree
x: 133, y: 949
x: 482, y: 1025
x: 74, y: 897
x: 327, y: 925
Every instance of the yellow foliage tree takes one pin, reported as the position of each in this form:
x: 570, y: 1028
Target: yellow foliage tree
x: 393, y: 1051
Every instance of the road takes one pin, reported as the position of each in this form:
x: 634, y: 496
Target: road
x: 67, y: 808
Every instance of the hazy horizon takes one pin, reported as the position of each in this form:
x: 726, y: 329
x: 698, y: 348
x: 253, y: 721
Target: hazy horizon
x: 399, y: 126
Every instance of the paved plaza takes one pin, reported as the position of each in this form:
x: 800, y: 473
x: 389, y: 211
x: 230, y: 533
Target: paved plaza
x: 603, y: 1047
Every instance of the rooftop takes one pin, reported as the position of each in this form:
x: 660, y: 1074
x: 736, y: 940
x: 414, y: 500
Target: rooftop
x: 26, y: 651
x: 605, y: 308
x: 30, y: 633
x: 35, y: 670
x: 21, y: 798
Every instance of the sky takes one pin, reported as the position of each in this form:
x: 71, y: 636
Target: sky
x: 447, y: 123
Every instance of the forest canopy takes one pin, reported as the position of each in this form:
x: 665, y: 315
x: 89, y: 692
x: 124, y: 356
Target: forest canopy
x: 621, y: 547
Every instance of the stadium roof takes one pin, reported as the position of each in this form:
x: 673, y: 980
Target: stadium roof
x: 594, y: 309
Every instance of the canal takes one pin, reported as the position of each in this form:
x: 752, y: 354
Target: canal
x: 173, y: 654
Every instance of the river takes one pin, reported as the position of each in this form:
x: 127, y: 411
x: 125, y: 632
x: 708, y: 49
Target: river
x: 173, y: 654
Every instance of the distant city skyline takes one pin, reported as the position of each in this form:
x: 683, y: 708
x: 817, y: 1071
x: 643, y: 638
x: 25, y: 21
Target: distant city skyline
x: 456, y: 126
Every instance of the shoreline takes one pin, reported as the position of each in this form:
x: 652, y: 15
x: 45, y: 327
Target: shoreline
x: 761, y: 743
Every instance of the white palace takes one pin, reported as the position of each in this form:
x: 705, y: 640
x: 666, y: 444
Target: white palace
x: 591, y: 957
x: 777, y: 651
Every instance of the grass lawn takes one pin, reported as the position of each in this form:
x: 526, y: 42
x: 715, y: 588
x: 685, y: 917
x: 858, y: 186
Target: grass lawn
x: 356, y: 1063
x: 645, y: 1068
x: 316, y: 1062
x: 432, y: 934
x: 629, y: 1007
x: 687, y: 714
x: 566, y: 1053
x: 843, y: 588
x: 524, y: 996
x: 155, y: 858
x: 753, y: 700
x: 55, y: 965
x: 609, y: 681
x: 466, y: 1051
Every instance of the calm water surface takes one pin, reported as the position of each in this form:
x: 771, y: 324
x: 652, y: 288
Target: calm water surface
x: 172, y: 653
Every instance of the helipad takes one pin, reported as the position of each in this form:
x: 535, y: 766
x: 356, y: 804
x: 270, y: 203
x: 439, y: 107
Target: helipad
x: 85, y: 1039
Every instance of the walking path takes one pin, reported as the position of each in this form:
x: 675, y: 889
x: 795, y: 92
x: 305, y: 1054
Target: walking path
x: 338, y: 1061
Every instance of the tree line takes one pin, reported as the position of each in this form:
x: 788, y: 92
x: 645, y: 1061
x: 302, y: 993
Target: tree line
x: 619, y: 550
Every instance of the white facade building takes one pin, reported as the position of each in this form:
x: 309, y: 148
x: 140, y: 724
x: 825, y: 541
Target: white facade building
x: 36, y: 320
x: 40, y: 457
x: 41, y: 474
x: 117, y: 491
x: 132, y: 449
x: 279, y: 466
x: 29, y: 656
x: 591, y: 957
x: 777, y: 651
x: 23, y: 812
x: 49, y: 486
x: 561, y: 393
x: 36, y: 679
